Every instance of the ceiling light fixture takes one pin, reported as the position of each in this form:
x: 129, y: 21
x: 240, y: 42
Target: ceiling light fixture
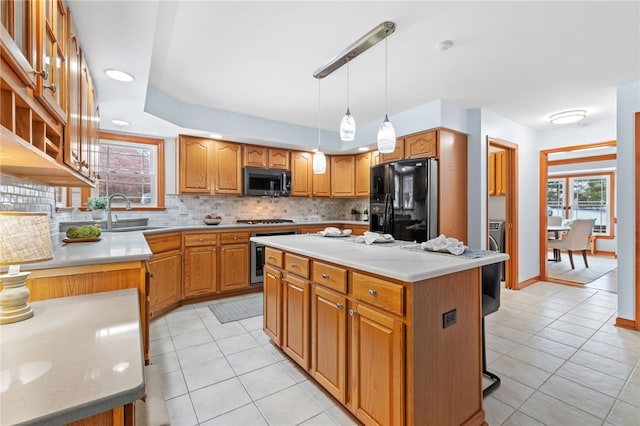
x: 567, y: 117
x: 120, y: 122
x: 363, y: 149
x: 215, y: 135
x: 319, y: 160
x: 348, y: 123
x: 386, y: 134
x: 444, y: 45
x: 119, y: 75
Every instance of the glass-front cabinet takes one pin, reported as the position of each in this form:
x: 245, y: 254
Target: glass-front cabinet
x: 52, y: 59
x: 18, y: 36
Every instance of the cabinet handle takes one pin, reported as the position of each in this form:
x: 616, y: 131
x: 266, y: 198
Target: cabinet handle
x: 352, y: 312
x: 270, y: 257
x: 52, y: 87
x: 272, y: 276
x: 325, y: 276
x: 201, y: 239
x: 294, y: 265
x: 44, y: 74
x: 339, y: 305
x: 372, y: 292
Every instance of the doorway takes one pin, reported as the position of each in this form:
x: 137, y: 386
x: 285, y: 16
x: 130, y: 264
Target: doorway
x: 502, y: 204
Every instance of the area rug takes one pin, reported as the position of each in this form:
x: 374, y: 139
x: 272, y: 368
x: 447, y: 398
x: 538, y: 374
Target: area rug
x: 235, y: 310
x: 598, y: 266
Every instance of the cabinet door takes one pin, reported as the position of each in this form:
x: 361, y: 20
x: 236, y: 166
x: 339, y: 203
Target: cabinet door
x: 343, y: 176
x: 18, y: 34
x: 301, y: 174
x: 423, y: 145
x: 234, y: 262
x: 273, y: 304
x: 195, y: 162
x: 377, y: 374
x: 363, y: 169
x: 329, y: 340
x: 200, y: 270
x: 396, y: 155
x: 72, y: 154
x: 321, y: 184
x: 295, y: 320
x: 255, y: 156
x: 165, y: 277
x: 278, y: 159
x: 227, y: 168
x: 501, y: 172
x: 492, y: 173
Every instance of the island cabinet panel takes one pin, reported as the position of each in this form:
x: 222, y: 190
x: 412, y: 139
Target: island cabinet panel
x: 272, y: 288
x: 330, y: 276
x: 377, y: 367
x: 329, y: 341
x: 298, y: 265
x: 379, y: 293
x: 295, y: 319
x: 273, y: 257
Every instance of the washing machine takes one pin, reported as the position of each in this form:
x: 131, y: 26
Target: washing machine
x: 496, y: 239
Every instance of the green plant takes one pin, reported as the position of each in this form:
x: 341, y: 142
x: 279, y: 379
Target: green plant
x: 96, y: 203
x: 355, y: 211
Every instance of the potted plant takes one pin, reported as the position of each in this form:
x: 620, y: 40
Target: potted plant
x: 97, y: 205
x: 355, y: 213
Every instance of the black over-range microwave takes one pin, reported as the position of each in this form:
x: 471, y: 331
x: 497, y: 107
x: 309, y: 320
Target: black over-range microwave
x: 266, y: 182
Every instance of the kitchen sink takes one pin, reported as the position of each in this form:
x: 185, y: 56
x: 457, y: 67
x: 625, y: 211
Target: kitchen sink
x: 121, y: 225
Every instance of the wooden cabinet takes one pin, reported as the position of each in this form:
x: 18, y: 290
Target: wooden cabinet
x: 343, y: 175
x: 396, y: 155
x: 301, y: 174
x: 73, y: 153
x: 227, y: 168
x: 195, y: 157
x: 200, y: 264
x: 51, y: 56
x: 452, y: 184
x: 273, y: 304
x: 321, y: 184
x: 376, y: 365
x: 363, y: 169
x: 295, y: 319
x: 498, y: 173
x: 165, y: 273
x: 329, y: 337
x: 234, y: 260
x: 264, y: 157
x: 422, y: 145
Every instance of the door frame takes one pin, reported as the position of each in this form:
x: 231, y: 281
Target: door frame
x: 511, y: 204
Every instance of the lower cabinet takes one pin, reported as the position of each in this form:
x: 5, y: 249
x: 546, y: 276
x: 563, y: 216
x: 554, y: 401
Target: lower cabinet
x: 272, y: 288
x: 164, y: 281
x: 295, y: 323
x: 200, y: 264
x: 234, y: 261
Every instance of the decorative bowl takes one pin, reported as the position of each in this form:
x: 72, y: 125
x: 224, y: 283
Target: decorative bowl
x: 213, y: 221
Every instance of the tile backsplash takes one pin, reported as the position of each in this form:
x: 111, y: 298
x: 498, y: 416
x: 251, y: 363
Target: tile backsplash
x: 181, y: 210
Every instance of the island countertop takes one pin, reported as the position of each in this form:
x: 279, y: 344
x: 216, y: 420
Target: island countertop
x: 78, y: 356
x: 400, y: 260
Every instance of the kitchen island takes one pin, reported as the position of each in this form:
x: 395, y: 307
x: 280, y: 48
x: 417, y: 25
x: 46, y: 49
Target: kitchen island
x: 391, y: 332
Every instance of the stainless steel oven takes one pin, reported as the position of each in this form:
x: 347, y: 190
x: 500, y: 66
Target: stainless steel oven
x: 257, y: 255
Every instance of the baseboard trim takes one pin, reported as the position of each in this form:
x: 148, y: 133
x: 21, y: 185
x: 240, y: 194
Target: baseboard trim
x: 627, y: 323
x: 528, y: 282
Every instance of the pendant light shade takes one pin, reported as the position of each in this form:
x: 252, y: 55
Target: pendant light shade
x: 386, y: 134
x: 319, y: 160
x: 348, y: 123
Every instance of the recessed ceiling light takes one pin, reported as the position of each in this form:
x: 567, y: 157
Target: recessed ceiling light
x: 120, y: 122
x: 444, y: 45
x: 215, y: 135
x: 118, y: 75
x: 363, y: 149
x: 566, y: 117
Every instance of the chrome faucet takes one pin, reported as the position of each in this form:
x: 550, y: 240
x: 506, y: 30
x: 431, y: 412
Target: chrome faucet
x: 127, y: 207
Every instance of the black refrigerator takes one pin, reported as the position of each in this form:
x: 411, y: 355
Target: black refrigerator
x: 404, y: 199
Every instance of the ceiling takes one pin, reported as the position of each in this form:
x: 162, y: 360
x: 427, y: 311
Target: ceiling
x: 521, y: 60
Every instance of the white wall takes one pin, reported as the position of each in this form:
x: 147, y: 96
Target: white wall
x: 628, y: 103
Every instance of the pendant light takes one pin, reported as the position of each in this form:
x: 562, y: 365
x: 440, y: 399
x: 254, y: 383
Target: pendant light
x: 319, y: 160
x: 386, y: 133
x: 348, y: 124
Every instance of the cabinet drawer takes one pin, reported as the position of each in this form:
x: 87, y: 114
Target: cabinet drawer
x: 296, y: 264
x: 191, y: 240
x: 330, y: 276
x: 380, y: 293
x: 234, y: 237
x: 273, y: 257
x: 163, y: 242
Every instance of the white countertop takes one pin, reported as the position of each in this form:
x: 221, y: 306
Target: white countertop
x: 78, y: 356
x: 388, y: 260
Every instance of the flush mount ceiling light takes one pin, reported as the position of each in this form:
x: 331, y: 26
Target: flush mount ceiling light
x: 319, y: 160
x: 121, y: 122
x: 363, y: 149
x: 386, y: 134
x: 444, y: 45
x: 567, y: 117
x: 215, y: 135
x: 119, y: 75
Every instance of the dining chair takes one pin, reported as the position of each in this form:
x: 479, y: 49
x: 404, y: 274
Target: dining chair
x: 577, y: 239
x: 553, y: 221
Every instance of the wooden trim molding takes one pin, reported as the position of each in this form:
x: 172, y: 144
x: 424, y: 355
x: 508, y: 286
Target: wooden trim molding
x: 626, y: 323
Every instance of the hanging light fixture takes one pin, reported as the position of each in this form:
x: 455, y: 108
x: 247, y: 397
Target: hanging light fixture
x: 319, y: 160
x: 348, y: 123
x: 386, y: 133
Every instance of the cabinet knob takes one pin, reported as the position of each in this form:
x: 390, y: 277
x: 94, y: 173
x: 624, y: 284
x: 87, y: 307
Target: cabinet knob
x: 270, y: 257
x: 235, y: 237
x: 339, y: 305
x: 352, y: 312
x: 151, y: 275
x: 325, y: 276
x: 372, y: 292
x: 52, y: 87
x: 282, y: 280
x: 201, y: 239
x: 44, y: 74
x: 294, y: 265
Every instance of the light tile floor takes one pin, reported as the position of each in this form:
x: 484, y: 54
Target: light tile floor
x: 561, y: 360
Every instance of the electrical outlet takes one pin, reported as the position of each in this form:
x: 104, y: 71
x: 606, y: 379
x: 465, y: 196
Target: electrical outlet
x: 449, y: 318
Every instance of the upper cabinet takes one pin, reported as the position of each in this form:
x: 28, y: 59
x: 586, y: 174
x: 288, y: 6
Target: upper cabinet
x: 497, y: 173
x: 343, y: 176
x: 264, y: 157
x: 41, y: 87
x: 321, y: 184
x: 208, y: 166
x: 301, y: 174
x: 397, y: 154
x: 422, y: 145
x: 363, y: 169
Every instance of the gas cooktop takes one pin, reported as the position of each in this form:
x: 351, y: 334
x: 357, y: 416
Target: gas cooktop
x: 263, y: 221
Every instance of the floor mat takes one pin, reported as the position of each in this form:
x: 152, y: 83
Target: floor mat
x: 236, y: 310
x: 598, y: 266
